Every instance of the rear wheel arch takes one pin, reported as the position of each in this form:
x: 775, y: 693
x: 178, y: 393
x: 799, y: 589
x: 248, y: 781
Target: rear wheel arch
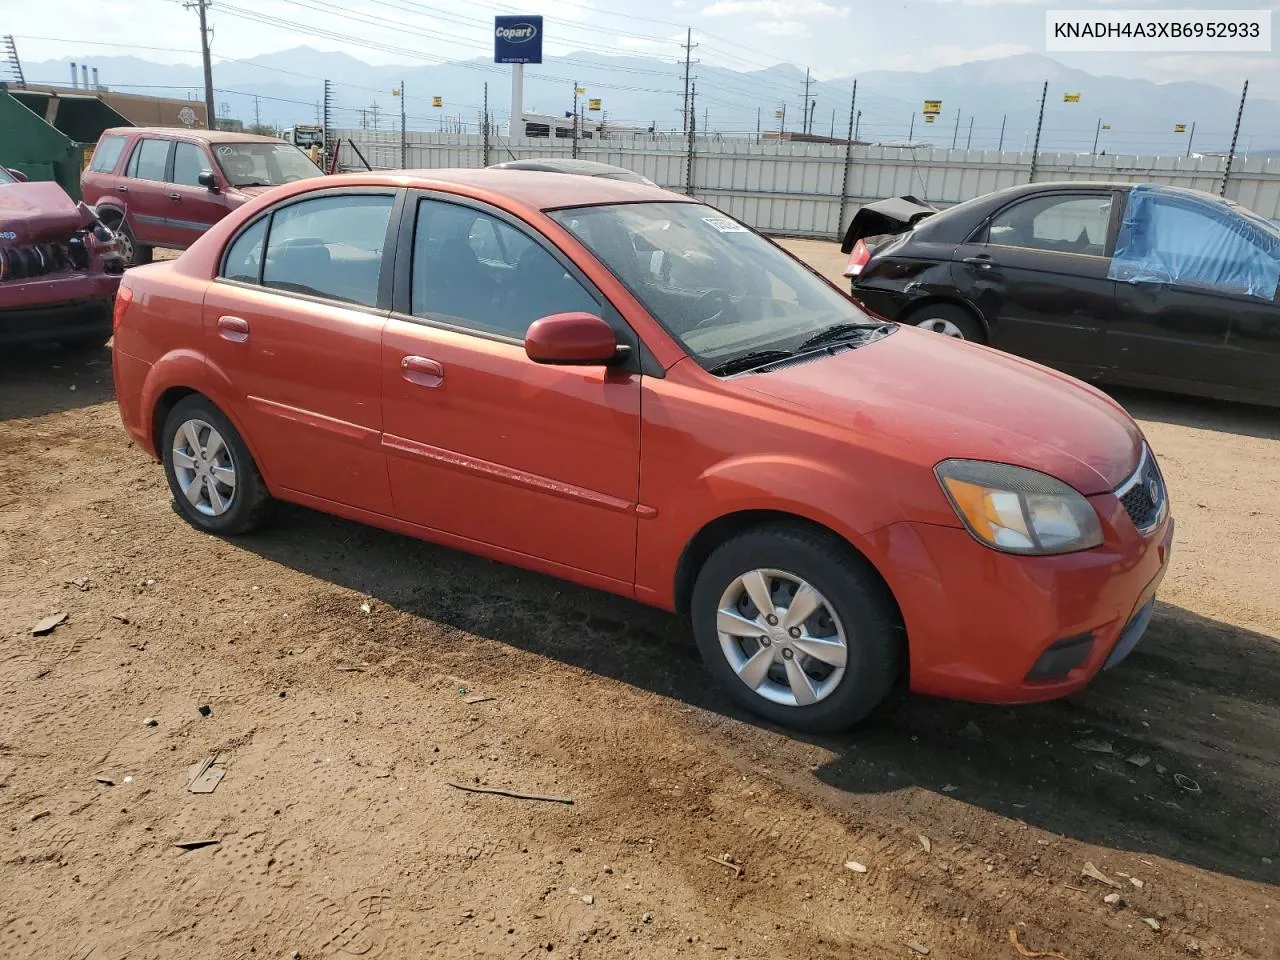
x: 163, y: 406
x: 915, y: 313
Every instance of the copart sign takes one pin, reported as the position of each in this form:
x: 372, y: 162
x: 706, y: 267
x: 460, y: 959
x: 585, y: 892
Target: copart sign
x: 517, y: 39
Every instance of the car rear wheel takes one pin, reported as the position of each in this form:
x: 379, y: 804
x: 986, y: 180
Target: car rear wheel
x: 796, y: 628
x: 132, y: 253
x: 948, y: 320
x: 216, y: 485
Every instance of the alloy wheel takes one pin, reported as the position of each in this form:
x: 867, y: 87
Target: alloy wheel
x: 204, y: 468
x: 939, y: 325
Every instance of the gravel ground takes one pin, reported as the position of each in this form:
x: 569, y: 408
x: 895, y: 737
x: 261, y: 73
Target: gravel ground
x: 350, y: 675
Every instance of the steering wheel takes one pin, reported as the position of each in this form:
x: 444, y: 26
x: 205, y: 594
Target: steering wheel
x: 710, y: 307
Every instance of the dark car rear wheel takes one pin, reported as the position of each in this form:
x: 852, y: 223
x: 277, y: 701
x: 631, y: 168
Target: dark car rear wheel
x: 216, y: 485
x: 796, y: 628
x: 949, y: 320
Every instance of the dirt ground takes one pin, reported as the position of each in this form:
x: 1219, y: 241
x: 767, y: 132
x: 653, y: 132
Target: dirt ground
x: 341, y: 670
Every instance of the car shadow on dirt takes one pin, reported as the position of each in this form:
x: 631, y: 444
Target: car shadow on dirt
x: 46, y: 378
x: 1220, y: 416
x: 1175, y: 753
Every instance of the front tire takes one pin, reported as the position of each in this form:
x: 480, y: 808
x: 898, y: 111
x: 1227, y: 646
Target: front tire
x: 949, y: 320
x: 796, y: 628
x: 215, y: 483
x: 132, y: 253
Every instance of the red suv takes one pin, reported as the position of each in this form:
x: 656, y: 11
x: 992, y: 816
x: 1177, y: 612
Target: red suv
x: 161, y: 187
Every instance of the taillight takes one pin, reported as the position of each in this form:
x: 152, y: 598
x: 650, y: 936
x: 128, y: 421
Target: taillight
x: 857, y: 259
x: 124, y: 297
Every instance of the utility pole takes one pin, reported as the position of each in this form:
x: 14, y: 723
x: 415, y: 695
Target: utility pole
x: 693, y: 121
x: 1235, y: 137
x: 1003, y: 118
x: 911, y: 131
x: 956, y: 133
x: 325, y: 128
x: 202, y: 7
x: 968, y: 143
x: 317, y: 113
x: 804, y: 117
x: 783, y: 122
x: 486, y: 124
x: 404, y: 128
x: 1035, y: 150
x: 832, y: 134
x: 1191, y: 137
x: 373, y: 109
x: 813, y: 106
x: 757, y: 124
x: 848, y: 159
x: 857, y: 125
x: 688, y: 62
x: 575, y: 119
x: 1097, y: 132
x: 257, y: 117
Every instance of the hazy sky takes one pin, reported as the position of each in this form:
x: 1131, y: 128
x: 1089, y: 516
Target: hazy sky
x: 834, y: 37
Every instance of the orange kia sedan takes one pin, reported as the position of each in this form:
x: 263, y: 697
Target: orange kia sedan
x: 616, y: 385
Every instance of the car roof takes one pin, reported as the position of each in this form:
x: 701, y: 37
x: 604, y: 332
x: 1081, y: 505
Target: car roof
x: 542, y: 190
x: 590, y: 168
x: 204, y: 136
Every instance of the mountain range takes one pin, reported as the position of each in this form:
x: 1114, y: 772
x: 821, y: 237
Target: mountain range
x: 985, y: 104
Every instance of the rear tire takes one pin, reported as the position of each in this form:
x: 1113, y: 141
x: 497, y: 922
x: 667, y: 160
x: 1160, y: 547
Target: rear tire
x: 215, y: 483
x: 763, y: 670
x: 132, y: 253
x: 948, y: 319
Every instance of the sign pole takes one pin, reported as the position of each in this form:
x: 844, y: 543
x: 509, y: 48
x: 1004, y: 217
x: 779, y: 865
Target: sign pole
x: 1035, y: 150
x: 848, y: 161
x: 517, y: 99
x: 1191, y: 137
x: 1235, y: 137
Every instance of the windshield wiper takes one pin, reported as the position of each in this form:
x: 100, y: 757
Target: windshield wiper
x: 749, y: 361
x: 254, y: 183
x: 837, y: 332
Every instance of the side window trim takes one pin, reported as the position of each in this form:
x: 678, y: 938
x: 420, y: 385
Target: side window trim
x: 641, y: 359
x: 386, y: 268
x: 982, y: 233
x: 135, y: 156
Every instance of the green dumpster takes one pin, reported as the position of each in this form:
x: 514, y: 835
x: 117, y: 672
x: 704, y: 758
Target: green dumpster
x: 50, y: 136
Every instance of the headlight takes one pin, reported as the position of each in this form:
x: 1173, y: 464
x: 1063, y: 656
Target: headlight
x: 1017, y: 510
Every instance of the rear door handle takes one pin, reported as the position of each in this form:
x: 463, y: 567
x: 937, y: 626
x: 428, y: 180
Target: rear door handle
x: 423, y: 372
x: 233, y: 329
x: 175, y: 196
x: 122, y: 188
x: 985, y: 263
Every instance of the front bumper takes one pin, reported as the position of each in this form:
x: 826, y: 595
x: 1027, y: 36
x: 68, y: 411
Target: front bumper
x: 981, y: 625
x: 52, y: 307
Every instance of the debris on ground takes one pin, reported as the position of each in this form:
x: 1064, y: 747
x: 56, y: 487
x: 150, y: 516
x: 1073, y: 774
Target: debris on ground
x: 971, y: 731
x: 855, y: 866
x: 1138, y: 760
x: 926, y: 843
x: 588, y: 899
x: 918, y: 948
x: 366, y: 607
x: 150, y: 722
x: 950, y: 788
x: 1095, y: 746
x: 1093, y: 873
x: 518, y: 795
x: 205, y: 776
x: 1152, y: 922
x: 1113, y: 899
x: 205, y: 710
x: 39, y: 816
x: 1137, y: 883
x: 105, y: 781
x: 80, y: 583
x: 48, y: 624
x: 725, y: 860
x: 1035, y: 954
x: 194, y: 844
x: 1186, y: 783
x: 479, y: 699
x: 647, y: 918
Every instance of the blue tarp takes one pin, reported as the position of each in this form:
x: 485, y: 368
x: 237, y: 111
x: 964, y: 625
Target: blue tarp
x: 1172, y: 237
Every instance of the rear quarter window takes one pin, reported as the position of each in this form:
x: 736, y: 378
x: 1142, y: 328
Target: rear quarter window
x: 107, y: 154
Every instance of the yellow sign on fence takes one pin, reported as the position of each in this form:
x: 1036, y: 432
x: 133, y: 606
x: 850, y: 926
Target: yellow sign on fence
x: 437, y: 101
x: 1179, y: 128
x: 593, y: 104
x: 932, y: 107
x: 1071, y: 98
x: 928, y: 118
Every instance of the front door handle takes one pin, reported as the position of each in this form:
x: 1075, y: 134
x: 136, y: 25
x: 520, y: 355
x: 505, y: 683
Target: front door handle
x: 122, y: 188
x: 423, y: 372
x: 984, y: 262
x: 233, y: 329
x: 175, y: 196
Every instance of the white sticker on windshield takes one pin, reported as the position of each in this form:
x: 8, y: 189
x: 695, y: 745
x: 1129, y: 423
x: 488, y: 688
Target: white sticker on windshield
x: 725, y: 225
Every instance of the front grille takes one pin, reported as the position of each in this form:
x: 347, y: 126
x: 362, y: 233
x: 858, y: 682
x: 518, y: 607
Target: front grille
x: 33, y: 260
x: 1143, y: 495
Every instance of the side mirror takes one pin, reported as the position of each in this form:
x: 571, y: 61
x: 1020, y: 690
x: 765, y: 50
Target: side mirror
x: 207, y: 179
x: 574, y: 339
x: 17, y: 174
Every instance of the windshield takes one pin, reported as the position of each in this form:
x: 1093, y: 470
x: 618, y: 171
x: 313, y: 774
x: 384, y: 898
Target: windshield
x: 263, y: 164
x: 719, y: 288
x: 5, y: 177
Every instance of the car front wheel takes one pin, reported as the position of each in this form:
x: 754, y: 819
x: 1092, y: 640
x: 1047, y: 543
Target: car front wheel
x: 796, y: 628
x: 216, y: 485
x: 948, y: 320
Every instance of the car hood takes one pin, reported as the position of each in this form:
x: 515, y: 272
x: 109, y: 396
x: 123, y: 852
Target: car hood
x: 39, y: 212
x: 932, y: 398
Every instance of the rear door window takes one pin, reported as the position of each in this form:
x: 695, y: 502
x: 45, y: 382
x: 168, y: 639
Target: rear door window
x: 107, y: 154
x: 189, y: 162
x: 1059, y: 223
x: 149, y: 160
x: 329, y: 247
